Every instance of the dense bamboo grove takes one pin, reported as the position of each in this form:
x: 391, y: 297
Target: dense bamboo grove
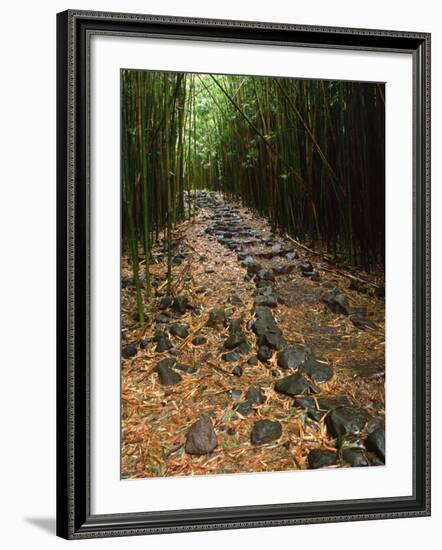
x: 308, y: 154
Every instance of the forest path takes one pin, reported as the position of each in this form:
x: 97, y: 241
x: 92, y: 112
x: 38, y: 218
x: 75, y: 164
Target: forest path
x: 253, y: 332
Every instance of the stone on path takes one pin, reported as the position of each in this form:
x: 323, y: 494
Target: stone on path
x: 201, y: 437
x: 346, y: 420
x: 265, y: 431
x: 180, y: 304
x: 292, y: 385
x: 199, y: 340
x: 163, y: 342
x: 354, y: 457
x: 179, y: 330
x: 321, y: 458
x: 129, y: 351
x: 255, y: 395
x: 292, y: 357
x: 376, y: 442
x: 231, y: 356
x: 336, y: 302
x: 167, y: 376
x: 217, y: 317
x: 317, y: 371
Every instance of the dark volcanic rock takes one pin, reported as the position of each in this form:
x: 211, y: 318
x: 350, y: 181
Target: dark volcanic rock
x: 317, y: 371
x: 253, y: 361
x: 268, y: 334
x: 265, y: 431
x: 201, y: 437
x: 179, y: 330
x: 268, y: 301
x: 266, y: 275
x: 129, y: 351
x: 144, y: 343
x: 292, y: 357
x: 163, y: 342
x: 321, y: 458
x: 180, y: 304
x: 291, y: 255
x: 251, y: 265
x: 376, y: 442
x: 162, y: 318
x: 361, y: 322
x: 165, y: 302
x: 292, y: 385
x: 346, y: 420
x: 167, y: 376
x: 306, y: 266
x: 231, y: 356
x: 199, y: 340
x: 237, y: 371
x: 217, y: 317
x: 329, y: 403
x: 186, y: 368
x: 237, y: 339
x: 354, y: 457
x: 336, y: 302
x: 244, y: 408
x: 255, y: 395
x: 282, y: 269
x: 304, y: 402
x: 235, y: 394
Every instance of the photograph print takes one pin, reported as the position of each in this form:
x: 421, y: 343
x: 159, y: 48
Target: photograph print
x: 252, y: 274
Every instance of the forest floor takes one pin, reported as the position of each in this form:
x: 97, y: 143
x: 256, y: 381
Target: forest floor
x: 241, y: 295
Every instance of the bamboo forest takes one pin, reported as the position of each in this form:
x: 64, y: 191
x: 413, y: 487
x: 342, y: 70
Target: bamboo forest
x: 252, y: 274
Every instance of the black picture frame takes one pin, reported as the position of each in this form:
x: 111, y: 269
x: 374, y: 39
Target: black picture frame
x: 74, y: 518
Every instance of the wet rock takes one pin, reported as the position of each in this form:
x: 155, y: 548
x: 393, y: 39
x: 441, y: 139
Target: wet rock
x: 292, y: 385
x: 354, y: 457
x: 346, y: 420
x: 217, y: 317
x: 253, y: 361
x: 265, y: 431
x: 292, y: 357
x: 167, y: 376
x: 237, y: 371
x: 163, y: 342
x: 268, y: 301
x: 266, y: 275
x: 376, y: 442
x: 181, y: 331
x: 231, y: 356
x: 185, y: 368
x: 201, y: 438
x: 336, y: 302
x: 321, y: 458
x: 292, y: 255
x: 129, y: 351
x: 162, y: 318
x: 244, y: 408
x: 199, y: 340
x: 180, y: 304
x: 251, y: 265
x: 306, y: 266
x: 304, y: 402
x: 361, y: 322
x: 144, y: 343
x: 165, y: 302
x: 235, y: 394
x: 317, y: 371
x: 269, y: 336
x: 255, y: 395
x: 236, y: 338
x: 329, y: 403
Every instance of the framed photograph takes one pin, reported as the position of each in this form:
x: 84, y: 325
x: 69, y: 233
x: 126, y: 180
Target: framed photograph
x: 243, y: 274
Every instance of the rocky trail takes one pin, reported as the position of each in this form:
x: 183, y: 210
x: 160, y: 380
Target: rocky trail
x: 265, y: 357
